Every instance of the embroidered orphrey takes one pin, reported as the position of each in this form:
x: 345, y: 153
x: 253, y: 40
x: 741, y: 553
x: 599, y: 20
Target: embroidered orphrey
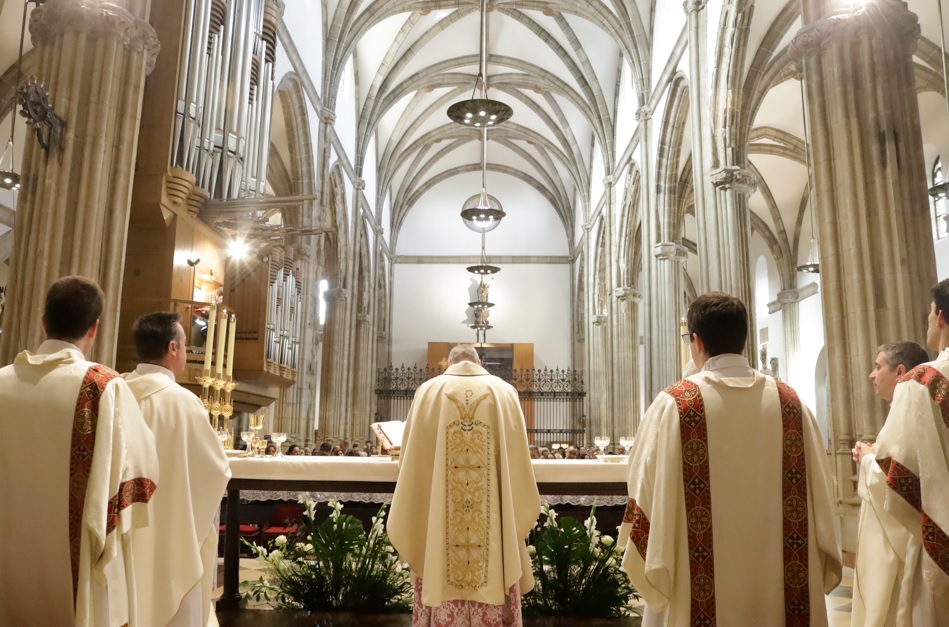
x: 468, y: 486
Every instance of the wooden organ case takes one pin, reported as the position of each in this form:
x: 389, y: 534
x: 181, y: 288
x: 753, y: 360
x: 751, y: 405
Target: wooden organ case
x: 206, y: 117
x: 268, y: 293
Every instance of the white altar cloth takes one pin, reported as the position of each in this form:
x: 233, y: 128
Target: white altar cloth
x: 363, y: 469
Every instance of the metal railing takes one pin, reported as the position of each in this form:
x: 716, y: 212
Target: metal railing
x: 551, y: 399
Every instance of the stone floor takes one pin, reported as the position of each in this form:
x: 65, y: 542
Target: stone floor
x: 838, y: 611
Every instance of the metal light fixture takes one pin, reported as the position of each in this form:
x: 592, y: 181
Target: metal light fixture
x: 483, y: 268
x: 812, y: 265
x: 482, y: 212
x: 9, y: 178
x: 481, y: 112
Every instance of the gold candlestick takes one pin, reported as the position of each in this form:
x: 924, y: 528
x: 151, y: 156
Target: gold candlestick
x: 205, y: 380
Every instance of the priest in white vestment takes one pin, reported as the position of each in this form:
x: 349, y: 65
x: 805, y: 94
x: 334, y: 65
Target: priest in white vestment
x: 76, y: 472
x: 730, y: 519
x: 466, y: 498
x: 901, y: 575
x: 180, y: 544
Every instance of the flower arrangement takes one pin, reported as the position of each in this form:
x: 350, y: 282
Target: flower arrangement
x: 576, y: 571
x: 333, y: 565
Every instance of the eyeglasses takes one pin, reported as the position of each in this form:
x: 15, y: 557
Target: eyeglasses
x: 686, y: 338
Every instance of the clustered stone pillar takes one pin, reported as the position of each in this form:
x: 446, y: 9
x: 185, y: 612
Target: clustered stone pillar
x: 730, y: 228
x: 599, y: 376
x: 876, y: 251
x: 364, y: 376
x: 790, y: 302
x: 665, y: 305
x: 93, y: 56
x: 626, y: 398
x: 335, y: 400
x: 699, y: 111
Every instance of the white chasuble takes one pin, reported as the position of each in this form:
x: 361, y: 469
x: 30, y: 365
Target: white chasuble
x: 466, y: 498
x: 730, y: 516
x: 73, y: 487
x: 180, y: 544
x: 901, y: 575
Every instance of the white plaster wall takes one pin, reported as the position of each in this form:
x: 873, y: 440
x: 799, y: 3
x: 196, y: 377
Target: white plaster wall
x: 429, y: 304
x: 345, y: 125
x: 304, y: 22
x: 670, y: 20
x: 433, y: 226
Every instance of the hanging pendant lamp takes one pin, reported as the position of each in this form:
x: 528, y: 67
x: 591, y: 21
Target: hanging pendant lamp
x: 481, y: 112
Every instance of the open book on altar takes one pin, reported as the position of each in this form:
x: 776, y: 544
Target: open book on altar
x: 390, y: 436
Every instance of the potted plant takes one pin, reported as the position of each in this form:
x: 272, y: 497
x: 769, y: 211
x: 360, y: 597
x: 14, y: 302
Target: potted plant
x: 333, y: 564
x: 577, y: 571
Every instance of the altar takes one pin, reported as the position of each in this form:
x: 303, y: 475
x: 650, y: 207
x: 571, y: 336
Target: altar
x: 370, y: 479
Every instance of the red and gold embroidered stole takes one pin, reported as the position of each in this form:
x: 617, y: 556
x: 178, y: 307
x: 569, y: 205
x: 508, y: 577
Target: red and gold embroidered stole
x: 85, y: 422
x: 904, y: 481
x: 696, y: 477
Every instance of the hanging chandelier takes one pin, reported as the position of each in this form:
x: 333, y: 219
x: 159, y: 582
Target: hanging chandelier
x: 9, y: 178
x: 812, y: 265
x: 481, y: 112
x: 482, y: 212
x: 483, y: 268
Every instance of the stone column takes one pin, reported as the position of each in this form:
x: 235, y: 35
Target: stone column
x: 665, y: 300
x: 789, y: 301
x: 730, y: 228
x: 363, y: 377
x: 72, y: 214
x: 699, y: 112
x: 626, y: 401
x: 599, y: 391
x: 876, y: 252
x: 334, y: 389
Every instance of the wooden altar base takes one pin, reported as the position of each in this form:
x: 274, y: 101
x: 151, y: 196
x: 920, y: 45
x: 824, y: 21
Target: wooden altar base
x: 280, y: 618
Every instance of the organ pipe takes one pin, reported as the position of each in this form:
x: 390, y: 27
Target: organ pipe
x: 225, y: 95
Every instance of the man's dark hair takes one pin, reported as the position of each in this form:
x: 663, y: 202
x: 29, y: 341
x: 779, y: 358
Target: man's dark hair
x: 73, y: 305
x: 153, y: 332
x: 940, y: 294
x: 909, y: 354
x: 721, y: 320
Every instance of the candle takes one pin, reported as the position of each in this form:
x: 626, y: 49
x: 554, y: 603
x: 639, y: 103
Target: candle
x: 209, y: 337
x: 231, y: 337
x: 221, y: 336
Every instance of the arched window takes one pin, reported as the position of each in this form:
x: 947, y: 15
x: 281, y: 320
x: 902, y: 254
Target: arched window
x: 940, y: 202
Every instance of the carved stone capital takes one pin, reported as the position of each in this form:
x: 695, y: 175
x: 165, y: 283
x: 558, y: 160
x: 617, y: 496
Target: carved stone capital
x: 643, y: 113
x: 579, y: 338
x: 338, y: 293
x: 278, y: 7
x: 359, y: 184
x: 363, y: 318
x: 797, y: 69
x: 897, y: 24
x: 787, y: 297
x: 609, y: 180
x: 628, y: 294
x: 54, y: 18
x: 670, y: 251
x: 599, y: 320
x: 733, y: 177
x: 327, y: 116
x: 693, y: 6
x: 382, y: 336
